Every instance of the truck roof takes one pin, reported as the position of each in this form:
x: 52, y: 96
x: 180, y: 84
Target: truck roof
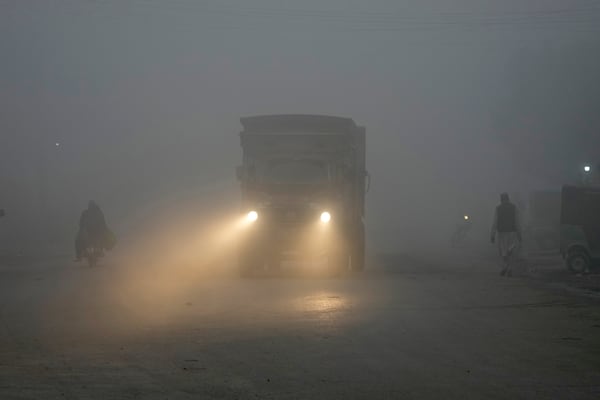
x: 286, y: 123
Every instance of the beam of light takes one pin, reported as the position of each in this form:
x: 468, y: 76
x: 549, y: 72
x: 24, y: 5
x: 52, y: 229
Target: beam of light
x: 167, y: 263
x: 163, y: 268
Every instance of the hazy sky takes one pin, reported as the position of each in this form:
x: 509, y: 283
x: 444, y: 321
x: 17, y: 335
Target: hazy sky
x: 461, y: 99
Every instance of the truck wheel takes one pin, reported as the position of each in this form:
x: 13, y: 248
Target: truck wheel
x: 358, y: 251
x: 338, y: 263
x: 247, y: 264
x: 578, y: 261
x: 358, y: 261
x: 245, y: 270
x: 274, y: 262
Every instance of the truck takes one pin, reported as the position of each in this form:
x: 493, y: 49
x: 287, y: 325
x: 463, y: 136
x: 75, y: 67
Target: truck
x: 303, y: 182
x: 580, y: 227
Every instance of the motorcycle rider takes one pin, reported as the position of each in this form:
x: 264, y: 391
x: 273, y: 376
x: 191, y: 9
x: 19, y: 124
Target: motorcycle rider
x: 92, y: 229
x: 462, y: 228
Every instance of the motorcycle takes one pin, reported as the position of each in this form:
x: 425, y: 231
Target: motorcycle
x: 460, y: 234
x: 93, y: 248
x: 92, y: 254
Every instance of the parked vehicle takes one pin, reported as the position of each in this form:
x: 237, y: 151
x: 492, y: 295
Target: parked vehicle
x: 580, y: 227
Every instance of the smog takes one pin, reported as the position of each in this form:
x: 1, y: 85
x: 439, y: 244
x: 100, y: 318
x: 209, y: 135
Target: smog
x: 297, y: 199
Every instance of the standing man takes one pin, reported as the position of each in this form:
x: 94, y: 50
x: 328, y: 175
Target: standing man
x: 506, y: 225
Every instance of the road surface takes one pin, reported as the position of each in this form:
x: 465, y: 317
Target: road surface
x: 408, y: 329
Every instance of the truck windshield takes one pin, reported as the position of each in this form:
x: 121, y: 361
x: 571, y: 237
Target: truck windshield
x: 296, y: 172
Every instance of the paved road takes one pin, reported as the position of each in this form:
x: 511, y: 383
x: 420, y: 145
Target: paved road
x: 410, y: 330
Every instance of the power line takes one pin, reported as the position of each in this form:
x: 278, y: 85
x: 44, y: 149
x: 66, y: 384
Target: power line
x: 344, y: 14
x: 229, y: 17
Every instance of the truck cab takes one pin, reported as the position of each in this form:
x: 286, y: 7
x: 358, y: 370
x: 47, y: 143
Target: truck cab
x: 302, y: 183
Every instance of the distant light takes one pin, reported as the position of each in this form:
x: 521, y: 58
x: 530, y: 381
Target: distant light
x: 325, y: 217
x: 57, y: 144
x: 466, y: 217
x: 587, y: 168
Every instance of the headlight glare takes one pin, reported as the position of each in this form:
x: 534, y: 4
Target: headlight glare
x: 252, y: 216
x: 325, y: 217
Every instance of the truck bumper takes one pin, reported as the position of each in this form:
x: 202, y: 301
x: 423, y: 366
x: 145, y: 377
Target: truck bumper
x: 292, y: 242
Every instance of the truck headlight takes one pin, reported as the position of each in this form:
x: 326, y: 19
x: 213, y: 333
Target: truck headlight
x: 325, y: 217
x: 252, y: 216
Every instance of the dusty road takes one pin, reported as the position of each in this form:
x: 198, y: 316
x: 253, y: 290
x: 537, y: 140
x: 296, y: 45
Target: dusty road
x: 410, y: 330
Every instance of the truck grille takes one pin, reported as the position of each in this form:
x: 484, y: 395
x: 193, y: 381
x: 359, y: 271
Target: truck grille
x: 290, y: 216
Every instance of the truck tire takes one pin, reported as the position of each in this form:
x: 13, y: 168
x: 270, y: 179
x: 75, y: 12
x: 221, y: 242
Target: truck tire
x: 248, y: 264
x: 274, y: 262
x: 357, y: 261
x: 245, y: 270
x: 578, y: 261
x: 338, y: 263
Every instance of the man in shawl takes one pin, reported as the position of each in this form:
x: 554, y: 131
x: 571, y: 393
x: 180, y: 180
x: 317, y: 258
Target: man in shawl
x: 507, y: 228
